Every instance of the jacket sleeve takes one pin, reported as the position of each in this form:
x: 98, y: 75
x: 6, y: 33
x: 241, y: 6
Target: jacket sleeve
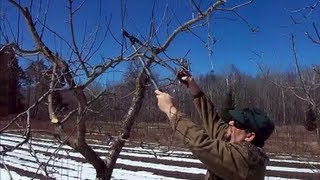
x: 228, y: 161
x: 212, y: 123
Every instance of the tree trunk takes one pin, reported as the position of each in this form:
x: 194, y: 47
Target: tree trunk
x: 128, y: 122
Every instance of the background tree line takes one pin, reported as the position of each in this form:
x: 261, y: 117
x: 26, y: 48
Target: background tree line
x: 278, y: 93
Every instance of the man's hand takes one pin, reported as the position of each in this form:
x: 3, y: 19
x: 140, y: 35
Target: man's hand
x: 165, y: 103
x: 183, y: 73
x: 188, y: 82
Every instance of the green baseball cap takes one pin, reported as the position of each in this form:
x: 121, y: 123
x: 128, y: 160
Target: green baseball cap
x: 255, y: 120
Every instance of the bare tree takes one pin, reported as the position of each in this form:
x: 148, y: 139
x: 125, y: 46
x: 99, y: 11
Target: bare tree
x: 78, y: 70
x: 308, y: 81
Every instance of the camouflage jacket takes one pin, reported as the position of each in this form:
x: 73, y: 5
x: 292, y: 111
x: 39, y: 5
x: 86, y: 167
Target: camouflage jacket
x: 224, y: 160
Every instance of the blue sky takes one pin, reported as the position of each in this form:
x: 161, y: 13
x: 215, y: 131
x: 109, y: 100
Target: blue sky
x: 235, y: 42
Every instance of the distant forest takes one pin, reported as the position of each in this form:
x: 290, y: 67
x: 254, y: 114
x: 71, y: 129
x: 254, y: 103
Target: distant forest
x: 290, y: 98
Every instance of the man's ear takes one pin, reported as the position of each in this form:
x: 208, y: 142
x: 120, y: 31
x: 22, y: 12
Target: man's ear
x: 250, y: 137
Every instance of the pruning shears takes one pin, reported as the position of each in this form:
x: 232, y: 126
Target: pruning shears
x: 184, y: 65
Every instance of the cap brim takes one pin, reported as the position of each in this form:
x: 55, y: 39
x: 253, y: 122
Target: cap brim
x: 237, y: 116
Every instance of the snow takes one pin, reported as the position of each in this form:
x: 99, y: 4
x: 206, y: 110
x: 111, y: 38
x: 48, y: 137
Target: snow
x: 162, y: 167
x: 124, y: 174
x: 289, y: 169
x: 295, y: 161
x: 67, y: 168
x: 5, y: 175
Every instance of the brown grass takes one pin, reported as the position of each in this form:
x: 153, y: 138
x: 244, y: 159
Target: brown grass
x: 293, y: 140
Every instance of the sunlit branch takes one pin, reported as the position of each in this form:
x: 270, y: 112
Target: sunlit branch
x: 18, y: 28
x: 197, y: 7
x: 160, y: 24
x: 39, y: 10
x: 52, y: 115
x: 123, y: 13
x: 299, y: 71
x: 310, y: 11
x: 23, y: 52
x: 45, y: 19
x: 152, y: 24
x: 98, y: 70
x: 83, y: 42
x: 113, y: 36
x: 89, y: 54
x: 79, y: 7
x: 233, y: 9
x: 56, y: 34
x: 75, y: 47
x: 317, y: 33
x: 189, y: 29
x: 239, y: 6
x: 128, y: 119
x: 184, y: 26
x: 155, y: 57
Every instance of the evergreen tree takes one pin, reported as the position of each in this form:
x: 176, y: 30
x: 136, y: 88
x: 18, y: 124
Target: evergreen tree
x: 10, y: 96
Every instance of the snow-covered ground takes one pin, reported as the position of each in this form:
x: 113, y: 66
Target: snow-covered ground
x: 64, y: 163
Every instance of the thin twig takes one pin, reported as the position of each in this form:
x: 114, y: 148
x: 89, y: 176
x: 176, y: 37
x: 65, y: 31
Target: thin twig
x: 189, y: 23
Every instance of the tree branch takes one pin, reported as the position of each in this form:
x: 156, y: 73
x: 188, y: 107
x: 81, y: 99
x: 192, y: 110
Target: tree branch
x: 73, y: 38
x: 184, y: 26
x: 317, y: 33
x: 307, y: 93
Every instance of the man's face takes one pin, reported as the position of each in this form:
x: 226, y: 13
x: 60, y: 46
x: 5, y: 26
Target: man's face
x: 237, y: 133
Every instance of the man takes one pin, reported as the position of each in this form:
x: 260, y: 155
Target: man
x: 229, y: 150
